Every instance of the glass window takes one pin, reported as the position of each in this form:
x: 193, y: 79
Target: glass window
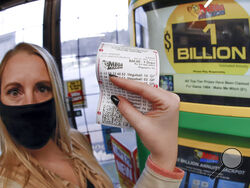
x: 84, y: 25
x: 23, y: 23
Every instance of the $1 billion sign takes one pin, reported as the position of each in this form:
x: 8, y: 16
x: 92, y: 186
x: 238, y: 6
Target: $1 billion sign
x: 214, y: 38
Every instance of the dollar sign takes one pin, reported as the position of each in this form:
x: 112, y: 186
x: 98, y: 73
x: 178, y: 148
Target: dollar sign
x: 167, y: 39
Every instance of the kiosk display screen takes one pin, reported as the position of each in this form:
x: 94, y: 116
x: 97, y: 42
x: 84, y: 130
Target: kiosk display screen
x: 204, y: 52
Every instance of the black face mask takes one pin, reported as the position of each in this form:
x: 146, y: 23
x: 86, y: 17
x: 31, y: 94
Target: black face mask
x: 30, y: 125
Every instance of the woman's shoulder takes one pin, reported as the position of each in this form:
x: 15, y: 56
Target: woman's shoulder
x: 8, y: 183
x: 10, y: 161
x: 12, y: 173
x: 80, y: 139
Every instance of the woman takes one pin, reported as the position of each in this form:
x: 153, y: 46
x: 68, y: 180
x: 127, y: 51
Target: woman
x: 40, y: 150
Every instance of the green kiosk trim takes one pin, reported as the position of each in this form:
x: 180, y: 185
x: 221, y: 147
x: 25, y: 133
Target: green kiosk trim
x: 214, y: 129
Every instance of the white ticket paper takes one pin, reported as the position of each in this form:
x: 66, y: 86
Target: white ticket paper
x: 131, y: 63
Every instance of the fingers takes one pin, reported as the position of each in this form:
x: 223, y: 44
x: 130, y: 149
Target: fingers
x: 154, y: 95
x: 131, y: 114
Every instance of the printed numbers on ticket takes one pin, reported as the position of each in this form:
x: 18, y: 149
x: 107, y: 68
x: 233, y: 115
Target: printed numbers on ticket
x: 131, y: 63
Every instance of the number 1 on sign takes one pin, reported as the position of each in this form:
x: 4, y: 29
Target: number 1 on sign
x: 212, y: 29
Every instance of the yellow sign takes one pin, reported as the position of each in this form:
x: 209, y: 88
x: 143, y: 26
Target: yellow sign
x: 212, y: 40
x: 75, y: 85
x: 76, y: 93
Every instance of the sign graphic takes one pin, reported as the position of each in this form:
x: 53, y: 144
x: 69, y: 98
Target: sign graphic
x: 231, y: 158
x: 216, y: 39
x: 232, y: 169
x: 125, y: 153
x: 75, y: 90
x: 208, y: 3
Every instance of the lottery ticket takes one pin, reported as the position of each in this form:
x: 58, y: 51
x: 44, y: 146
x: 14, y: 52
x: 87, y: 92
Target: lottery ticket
x: 132, y: 63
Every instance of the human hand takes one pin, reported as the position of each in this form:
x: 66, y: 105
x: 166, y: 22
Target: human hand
x: 158, y: 129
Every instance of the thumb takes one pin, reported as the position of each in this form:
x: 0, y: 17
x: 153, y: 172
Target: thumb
x: 129, y: 112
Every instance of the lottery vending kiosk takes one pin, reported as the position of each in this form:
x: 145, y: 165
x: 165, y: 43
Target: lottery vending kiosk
x: 204, y: 58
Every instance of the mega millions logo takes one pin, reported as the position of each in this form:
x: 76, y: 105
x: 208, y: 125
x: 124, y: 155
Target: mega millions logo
x: 212, y: 40
x: 111, y: 65
x: 199, y: 11
x: 205, y: 157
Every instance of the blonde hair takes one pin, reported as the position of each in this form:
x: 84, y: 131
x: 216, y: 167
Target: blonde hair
x: 8, y: 147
